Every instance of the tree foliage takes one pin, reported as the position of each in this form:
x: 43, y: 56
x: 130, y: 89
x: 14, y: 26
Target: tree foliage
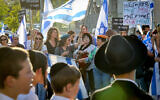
x: 57, y: 3
x: 12, y: 19
x: 9, y: 13
x: 4, y: 8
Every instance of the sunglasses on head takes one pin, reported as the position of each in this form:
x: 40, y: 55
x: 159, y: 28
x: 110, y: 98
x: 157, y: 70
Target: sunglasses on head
x: 38, y: 38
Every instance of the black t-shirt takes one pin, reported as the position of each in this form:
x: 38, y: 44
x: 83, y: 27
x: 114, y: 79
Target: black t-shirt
x: 50, y: 48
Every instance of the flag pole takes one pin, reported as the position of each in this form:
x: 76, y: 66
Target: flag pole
x: 87, y: 12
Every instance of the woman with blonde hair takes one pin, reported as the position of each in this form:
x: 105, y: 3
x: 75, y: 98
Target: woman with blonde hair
x: 52, y: 40
x: 38, y: 43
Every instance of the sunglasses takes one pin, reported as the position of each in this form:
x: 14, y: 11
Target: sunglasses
x: 38, y: 38
x: 3, y: 39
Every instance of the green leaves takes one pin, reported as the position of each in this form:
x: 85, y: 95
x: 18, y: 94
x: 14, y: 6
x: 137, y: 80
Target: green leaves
x: 9, y: 14
x: 4, y: 8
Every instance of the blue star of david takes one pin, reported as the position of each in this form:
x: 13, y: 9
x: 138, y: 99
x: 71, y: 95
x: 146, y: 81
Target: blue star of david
x: 102, y: 29
x: 68, y: 6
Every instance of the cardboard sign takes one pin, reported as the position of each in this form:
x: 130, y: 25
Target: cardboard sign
x: 30, y: 4
x: 117, y: 24
x: 135, y: 13
x: 21, y: 13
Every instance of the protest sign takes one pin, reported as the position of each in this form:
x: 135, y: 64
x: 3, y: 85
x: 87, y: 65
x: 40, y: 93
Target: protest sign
x: 30, y: 4
x: 117, y: 24
x: 135, y: 13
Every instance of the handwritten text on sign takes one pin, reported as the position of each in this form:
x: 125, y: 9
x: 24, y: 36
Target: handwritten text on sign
x: 135, y: 13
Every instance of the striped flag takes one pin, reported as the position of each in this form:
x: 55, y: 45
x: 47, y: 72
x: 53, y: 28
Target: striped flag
x: 102, y: 24
x: 2, y: 30
x: 72, y: 10
x: 22, y: 32
x: 155, y: 82
x: 148, y: 43
x: 46, y: 24
x: 52, y: 59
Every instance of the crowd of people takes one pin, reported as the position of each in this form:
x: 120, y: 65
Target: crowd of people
x: 107, y: 62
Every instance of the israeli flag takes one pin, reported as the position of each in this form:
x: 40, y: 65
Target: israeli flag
x: 73, y: 10
x: 2, y: 30
x: 102, y: 24
x: 148, y: 43
x: 155, y: 82
x: 22, y: 33
x: 46, y: 24
x: 52, y: 59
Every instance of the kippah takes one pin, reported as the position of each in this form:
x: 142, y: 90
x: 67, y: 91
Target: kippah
x: 57, y: 68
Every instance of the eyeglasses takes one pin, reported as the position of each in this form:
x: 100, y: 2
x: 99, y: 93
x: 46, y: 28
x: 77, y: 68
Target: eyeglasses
x: 3, y: 39
x: 38, y: 38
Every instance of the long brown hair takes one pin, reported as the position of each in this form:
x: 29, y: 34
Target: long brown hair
x: 50, y: 31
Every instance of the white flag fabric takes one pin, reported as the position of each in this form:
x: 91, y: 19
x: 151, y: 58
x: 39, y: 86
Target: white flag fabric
x: 102, y: 24
x: 72, y: 10
x: 155, y: 82
x: 22, y: 32
x: 2, y: 30
x: 46, y: 24
x: 52, y: 59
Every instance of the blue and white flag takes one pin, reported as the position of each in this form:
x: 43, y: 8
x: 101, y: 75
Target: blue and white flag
x: 102, y: 24
x: 148, y: 43
x: 155, y: 82
x: 2, y: 30
x: 22, y: 32
x: 72, y: 10
x: 82, y: 94
x: 46, y: 24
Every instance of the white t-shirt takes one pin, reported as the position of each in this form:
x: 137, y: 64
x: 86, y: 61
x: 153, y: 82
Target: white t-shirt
x: 4, y: 97
x: 44, y: 48
x: 30, y: 96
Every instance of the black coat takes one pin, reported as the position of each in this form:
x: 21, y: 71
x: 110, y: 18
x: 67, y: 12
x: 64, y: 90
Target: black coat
x: 121, y: 90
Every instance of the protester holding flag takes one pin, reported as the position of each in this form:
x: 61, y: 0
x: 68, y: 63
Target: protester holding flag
x: 149, y: 64
x: 52, y: 40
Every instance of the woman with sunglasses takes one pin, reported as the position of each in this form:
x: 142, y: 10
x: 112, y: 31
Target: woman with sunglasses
x: 4, y: 40
x: 38, y: 43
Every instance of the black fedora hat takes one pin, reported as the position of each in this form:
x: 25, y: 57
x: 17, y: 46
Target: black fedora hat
x: 121, y: 54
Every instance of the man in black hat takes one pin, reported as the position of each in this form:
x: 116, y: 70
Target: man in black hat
x: 120, y: 56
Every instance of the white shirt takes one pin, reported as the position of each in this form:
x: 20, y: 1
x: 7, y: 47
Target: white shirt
x: 29, y: 44
x: 125, y: 79
x: 30, y: 96
x: 4, y: 97
x: 44, y: 48
x: 54, y: 97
